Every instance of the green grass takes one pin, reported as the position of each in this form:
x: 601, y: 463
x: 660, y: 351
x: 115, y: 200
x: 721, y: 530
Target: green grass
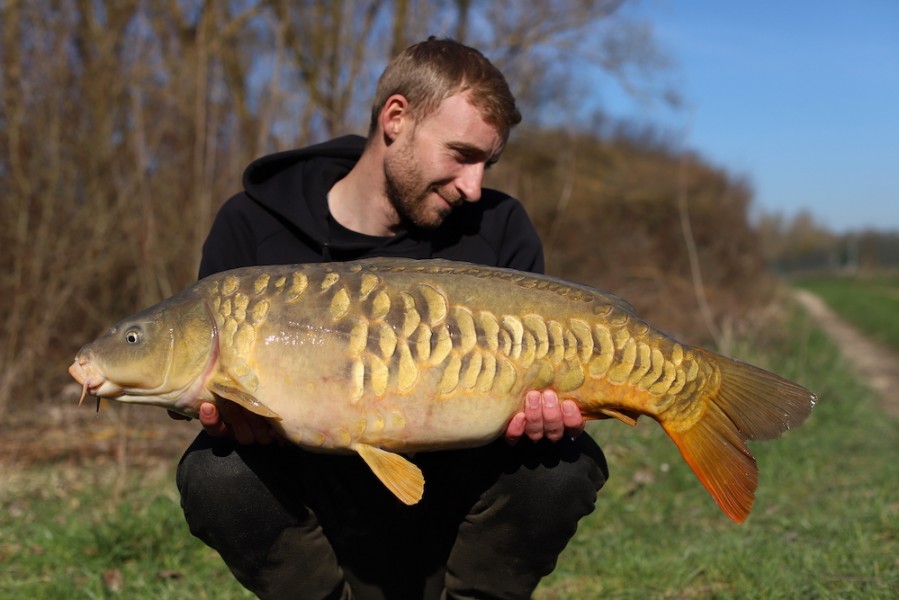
x: 63, y: 536
x: 871, y: 303
x: 825, y: 523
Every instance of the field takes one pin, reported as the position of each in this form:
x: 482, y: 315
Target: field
x: 869, y: 302
x: 90, y: 511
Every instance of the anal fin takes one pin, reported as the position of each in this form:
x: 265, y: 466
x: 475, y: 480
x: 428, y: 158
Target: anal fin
x: 624, y: 417
x: 401, y: 477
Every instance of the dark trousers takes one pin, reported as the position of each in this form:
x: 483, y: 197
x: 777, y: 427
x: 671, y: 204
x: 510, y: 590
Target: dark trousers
x: 295, y: 524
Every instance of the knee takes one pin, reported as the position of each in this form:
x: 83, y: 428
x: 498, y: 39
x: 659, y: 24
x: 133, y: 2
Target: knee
x: 527, y: 516
x: 210, y: 470
x: 569, y: 467
x: 217, y: 485
x: 229, y: 502
x: 558, y: 480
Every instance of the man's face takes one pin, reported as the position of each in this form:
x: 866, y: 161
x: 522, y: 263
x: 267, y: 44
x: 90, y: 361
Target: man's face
x: 439, y: 162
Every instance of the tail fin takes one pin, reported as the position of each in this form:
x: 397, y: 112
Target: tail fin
x: 750, y: 404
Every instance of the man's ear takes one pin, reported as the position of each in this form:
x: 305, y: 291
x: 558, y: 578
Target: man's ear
x: 393, y: 116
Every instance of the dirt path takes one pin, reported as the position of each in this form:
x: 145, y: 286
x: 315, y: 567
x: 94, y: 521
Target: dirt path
x: 877, y: 365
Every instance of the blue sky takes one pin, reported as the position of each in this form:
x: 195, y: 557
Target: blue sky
x: 799, y: 96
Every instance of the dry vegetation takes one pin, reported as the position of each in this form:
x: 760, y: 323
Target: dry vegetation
x: 123, y: 126
x: 665, y: 230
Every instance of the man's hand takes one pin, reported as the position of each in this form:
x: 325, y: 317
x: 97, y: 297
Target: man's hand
x: 235, y: 422
x: 544, y: 416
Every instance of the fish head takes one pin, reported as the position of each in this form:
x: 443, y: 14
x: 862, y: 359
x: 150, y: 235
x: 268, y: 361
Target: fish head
x: 161, y: 356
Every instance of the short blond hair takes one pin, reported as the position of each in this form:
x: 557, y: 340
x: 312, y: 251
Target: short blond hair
x: 429, y: 72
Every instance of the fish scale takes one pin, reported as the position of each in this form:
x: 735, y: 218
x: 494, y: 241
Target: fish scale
x: 388, y: 356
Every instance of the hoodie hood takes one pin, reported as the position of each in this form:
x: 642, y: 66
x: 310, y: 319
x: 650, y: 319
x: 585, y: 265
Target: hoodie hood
x: 264, y: 177
x: 294, y: 184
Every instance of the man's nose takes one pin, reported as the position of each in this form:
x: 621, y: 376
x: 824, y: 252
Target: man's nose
x: 469, y: 181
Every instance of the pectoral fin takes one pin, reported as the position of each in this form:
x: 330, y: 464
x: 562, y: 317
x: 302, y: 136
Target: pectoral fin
x: 400, y: 476
x: 238, y: 396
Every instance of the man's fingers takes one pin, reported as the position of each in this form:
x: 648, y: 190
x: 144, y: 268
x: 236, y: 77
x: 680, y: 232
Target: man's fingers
x: 515, y: 429
x: 572, y: 418
x: 553, y: 425
x: 236, y: 419
x: 260, y: 428
x: 209, y: 414
x: 211, y: 420
x: 237, y: 423
x: 533, y: 412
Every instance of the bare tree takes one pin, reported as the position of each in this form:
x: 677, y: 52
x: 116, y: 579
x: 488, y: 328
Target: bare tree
x: 124, y: 124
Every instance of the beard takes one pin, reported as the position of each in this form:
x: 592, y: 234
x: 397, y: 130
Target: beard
x: 410, y: 193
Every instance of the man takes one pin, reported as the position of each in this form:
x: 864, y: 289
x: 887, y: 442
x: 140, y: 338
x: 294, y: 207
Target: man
x: 293, y: 524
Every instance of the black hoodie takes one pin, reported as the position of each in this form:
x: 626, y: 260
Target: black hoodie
x: 282, y: 217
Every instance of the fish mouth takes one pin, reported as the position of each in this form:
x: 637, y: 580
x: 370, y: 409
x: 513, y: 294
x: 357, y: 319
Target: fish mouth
x: 92, y: 382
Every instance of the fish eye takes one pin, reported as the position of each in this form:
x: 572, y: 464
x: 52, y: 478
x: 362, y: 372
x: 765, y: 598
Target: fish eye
x: 134, y: 335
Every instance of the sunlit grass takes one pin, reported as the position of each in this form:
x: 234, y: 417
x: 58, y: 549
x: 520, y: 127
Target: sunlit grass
x: 63, y: 536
